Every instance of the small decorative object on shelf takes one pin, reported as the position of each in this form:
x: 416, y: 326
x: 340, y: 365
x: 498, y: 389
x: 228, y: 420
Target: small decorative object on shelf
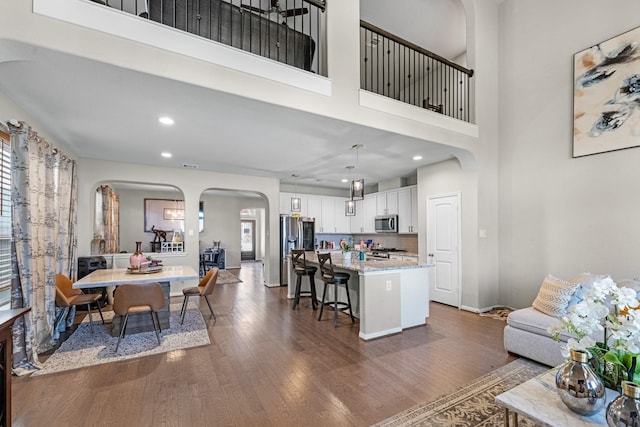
x: 138, y: 257
x: 624, y: 410
x: 168, y: 247
x: 579, y: 387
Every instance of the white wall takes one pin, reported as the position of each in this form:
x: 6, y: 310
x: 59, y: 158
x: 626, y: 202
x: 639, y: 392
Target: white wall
x: 558, y: 214
x: 222, y: 223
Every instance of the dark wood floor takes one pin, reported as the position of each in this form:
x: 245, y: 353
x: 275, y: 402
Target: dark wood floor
x: 268, y: 365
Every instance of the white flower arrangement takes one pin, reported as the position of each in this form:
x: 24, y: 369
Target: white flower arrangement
x: 612, y: 309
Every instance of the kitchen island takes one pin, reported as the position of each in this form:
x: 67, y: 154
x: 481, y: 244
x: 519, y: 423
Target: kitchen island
x: 387, y: 295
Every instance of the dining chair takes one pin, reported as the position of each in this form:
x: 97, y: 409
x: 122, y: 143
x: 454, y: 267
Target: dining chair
x: 138, y: 298
x: 204, y: 289
x: 67, y: 296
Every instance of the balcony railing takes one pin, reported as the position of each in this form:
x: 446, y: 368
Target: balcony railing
x: 288, y: 31
x: 401, y: 70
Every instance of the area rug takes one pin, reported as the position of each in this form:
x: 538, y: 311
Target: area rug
x: 226, y: 278
x: 500, y: 313
x: 473, y: 404
x: 84, y: 348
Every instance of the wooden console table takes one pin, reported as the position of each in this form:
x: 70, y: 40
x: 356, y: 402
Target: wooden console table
x: 7, y: 318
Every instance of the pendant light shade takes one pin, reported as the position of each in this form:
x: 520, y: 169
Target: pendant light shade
x: 296, y: 203
x: 357, y: 185
x: 357, y: 189
x: 350, y: 208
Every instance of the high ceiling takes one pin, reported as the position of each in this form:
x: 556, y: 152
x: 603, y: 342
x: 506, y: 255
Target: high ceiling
x: 110, y: 113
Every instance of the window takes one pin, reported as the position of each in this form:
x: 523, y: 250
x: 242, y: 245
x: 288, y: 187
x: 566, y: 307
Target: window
x: 5, y: 219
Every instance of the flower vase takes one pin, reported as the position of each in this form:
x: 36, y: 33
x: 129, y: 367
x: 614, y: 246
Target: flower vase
x: 346, y: 257
x: 624, y: 410
x: 579, y: 387
x: 138, y: 257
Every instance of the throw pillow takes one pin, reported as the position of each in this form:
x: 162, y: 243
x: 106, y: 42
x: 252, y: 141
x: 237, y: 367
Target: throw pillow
x: 554, y: 295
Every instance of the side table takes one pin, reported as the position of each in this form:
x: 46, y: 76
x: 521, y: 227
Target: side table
x: 538, y: 400
x: 7, y: 318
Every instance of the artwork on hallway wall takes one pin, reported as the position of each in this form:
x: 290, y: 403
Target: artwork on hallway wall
x: 606, y: 101
x: 164, y: 214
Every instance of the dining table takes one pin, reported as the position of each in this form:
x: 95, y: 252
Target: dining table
x: 119, y: 276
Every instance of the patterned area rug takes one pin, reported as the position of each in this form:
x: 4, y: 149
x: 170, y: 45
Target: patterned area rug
x: 84, y: 348
x: 472, y: 405
x: 500, y: 313
x: 226, y: 278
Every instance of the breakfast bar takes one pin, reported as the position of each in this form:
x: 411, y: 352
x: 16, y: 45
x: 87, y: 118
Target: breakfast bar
x: 387, y: 295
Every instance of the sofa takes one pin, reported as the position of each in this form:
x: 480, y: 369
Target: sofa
x: 526, y: 333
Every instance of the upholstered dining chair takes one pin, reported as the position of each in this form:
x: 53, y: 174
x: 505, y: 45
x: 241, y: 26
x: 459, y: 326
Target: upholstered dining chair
x: 66, y: 296
x: 138, y: 298
x: 204, y: 289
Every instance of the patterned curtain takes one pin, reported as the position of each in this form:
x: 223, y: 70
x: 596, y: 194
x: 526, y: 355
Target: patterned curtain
x: 44, y: 221
x: 110, y: 215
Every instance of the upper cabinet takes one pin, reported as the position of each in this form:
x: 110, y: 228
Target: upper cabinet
x: 329, y: 212
x: 408, y: 210
x: 387, y: 203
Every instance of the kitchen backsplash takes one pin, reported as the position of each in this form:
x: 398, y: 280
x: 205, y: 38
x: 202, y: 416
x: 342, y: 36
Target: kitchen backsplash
x: 408, y: 242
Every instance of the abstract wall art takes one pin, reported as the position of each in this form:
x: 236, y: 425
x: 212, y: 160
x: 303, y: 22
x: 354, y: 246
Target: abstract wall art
x: 606, y: 101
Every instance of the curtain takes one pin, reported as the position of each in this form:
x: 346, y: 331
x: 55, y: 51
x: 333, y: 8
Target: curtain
x: 107, y: 226
x: 110, y: 215
x: 44, y: 222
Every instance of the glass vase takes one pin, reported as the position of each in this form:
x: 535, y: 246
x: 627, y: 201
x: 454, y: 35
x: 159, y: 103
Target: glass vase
x: 138, y: 257
x: 624, y: 410
x: 579, y: 388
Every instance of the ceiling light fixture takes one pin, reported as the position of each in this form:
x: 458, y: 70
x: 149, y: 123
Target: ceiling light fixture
x: 357, y: 185
x: 165, y: 120
x: 417, y: 157
x: 296, y: 203
x: 166, y: 154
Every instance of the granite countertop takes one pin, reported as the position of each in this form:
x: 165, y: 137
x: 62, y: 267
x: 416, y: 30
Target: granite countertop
x: 370, y: 265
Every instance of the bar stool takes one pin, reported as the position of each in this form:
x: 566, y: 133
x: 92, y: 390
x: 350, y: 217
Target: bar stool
x: 330, y: 277
x: 301, y: 269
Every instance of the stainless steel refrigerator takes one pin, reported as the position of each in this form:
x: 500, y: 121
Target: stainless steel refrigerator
x: 295, y: 233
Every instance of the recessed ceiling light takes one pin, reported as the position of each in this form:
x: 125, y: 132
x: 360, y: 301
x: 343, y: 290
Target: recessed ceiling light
x: 344, y: 180
x: 165, y: 120
x: 166, y: 154
x: 418, y: 157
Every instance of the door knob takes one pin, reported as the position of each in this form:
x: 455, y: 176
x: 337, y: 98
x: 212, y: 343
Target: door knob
x: 430, y: 255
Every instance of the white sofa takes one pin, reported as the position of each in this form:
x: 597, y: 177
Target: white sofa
x: 526, y: 333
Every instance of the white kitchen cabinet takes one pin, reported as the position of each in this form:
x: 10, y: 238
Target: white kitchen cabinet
x: 369, y: 213
x: 387, y: 203
x: 313, y: 209
x: 357, y: 221
x: 285, y: 204
x: 341, y: 221
x: 327, y: 224
x: 408, y: 210
x: 400, y: 257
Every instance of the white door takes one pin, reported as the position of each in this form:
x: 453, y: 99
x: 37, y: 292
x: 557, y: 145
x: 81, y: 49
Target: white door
x: 443, y: 248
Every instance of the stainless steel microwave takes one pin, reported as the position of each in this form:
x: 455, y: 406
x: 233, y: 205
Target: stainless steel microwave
x: 386, y: 223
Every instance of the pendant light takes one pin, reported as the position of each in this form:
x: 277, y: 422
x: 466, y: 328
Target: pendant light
x: 296, y: 203
x: 357, y: 185
x: 350, y: 204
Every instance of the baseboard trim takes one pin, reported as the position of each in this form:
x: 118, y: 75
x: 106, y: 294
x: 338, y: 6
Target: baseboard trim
x: 379, y: 333
x: 272, y: 285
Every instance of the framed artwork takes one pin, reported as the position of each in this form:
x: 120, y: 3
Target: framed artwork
x: 164, y: 214
x: 606, y: 101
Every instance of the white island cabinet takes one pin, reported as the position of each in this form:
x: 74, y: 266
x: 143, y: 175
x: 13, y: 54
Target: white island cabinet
x: 386, y: 295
